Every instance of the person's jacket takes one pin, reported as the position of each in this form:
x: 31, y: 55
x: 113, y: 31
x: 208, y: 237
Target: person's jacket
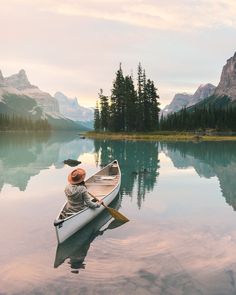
x: 78, y: 198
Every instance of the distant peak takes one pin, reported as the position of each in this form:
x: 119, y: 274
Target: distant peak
x: 22, y: 75
x: 207, y: 85
x: 19, y: 81
x: 22, y: 72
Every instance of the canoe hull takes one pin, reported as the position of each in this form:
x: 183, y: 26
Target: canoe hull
x: 69, y: 226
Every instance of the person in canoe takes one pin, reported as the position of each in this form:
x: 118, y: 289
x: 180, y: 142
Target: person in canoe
x: 77, y: 195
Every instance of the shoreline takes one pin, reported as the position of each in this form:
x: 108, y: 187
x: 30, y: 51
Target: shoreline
x: 159, y: 136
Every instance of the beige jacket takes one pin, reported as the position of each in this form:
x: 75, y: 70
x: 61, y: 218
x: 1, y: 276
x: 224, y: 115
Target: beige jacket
x: 78, y: 198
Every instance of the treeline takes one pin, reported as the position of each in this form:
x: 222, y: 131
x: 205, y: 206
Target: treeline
x: 208, y: 117
x: 14, y: 122
x: 128, y: 108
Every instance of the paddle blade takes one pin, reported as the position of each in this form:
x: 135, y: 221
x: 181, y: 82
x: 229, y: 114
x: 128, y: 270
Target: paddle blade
x: 117, y: 215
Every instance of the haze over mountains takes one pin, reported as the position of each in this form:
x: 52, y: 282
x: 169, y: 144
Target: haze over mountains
x: 182, y: 100
x: 19, y: 96
x: 221, y: 96
x: 70, y: 108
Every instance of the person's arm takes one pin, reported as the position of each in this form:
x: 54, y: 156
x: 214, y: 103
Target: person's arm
x: 88, y: 201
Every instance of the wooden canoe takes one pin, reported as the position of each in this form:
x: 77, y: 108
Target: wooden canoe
x: 104, y: 185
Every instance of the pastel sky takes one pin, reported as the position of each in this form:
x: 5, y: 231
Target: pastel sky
x: 75, y: 46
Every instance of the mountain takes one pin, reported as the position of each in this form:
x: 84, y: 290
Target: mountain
x: 201, y: 93
x: 19, y: 96
x: 225, y: 93
x: 70, y: 108
x: 182, y: 100
x: 227, y: 84
x: 179, y: 101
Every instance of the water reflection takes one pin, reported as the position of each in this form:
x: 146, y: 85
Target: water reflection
x: 139, y: 162
x: 75, y: 249
x: 23, y: 156
x: 209, y: 159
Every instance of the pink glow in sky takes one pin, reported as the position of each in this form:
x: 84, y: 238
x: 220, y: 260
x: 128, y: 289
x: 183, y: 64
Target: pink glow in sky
x: 76, y: 46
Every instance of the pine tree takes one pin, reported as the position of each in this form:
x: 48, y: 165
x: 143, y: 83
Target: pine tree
x: 97, y: 118
x: 129, y: 109
x: 131, y: 105
x: 140, y: 95
x: 154, y: 107
x: 118, y: 102
x: 104, y: 111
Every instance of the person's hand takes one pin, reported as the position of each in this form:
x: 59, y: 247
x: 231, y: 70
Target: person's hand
x: 101, y: 202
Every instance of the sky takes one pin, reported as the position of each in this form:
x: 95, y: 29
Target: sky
x: 76, y: 46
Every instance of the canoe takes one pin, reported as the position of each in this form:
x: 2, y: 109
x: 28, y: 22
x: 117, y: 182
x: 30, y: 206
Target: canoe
x: 76, y: 247
x: 104, y: 185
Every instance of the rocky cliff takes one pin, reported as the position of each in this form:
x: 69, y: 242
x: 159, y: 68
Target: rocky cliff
x: 227, y: 85
x: 201, y: 93
x: 20, y: 85
x: 179, y: 101
x: 182, y: 100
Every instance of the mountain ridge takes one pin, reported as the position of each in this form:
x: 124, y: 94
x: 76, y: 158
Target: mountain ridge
x: 19, y: 96
x: 185, y: 100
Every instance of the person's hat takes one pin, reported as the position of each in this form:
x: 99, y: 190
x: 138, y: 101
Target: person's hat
x: 76, y: 176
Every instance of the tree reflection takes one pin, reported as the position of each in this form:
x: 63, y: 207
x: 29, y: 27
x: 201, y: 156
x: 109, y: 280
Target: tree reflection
x: 208, y: 159
x: 139, y: 164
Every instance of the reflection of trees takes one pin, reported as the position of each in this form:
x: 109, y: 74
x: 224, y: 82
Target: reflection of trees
x: 208, y: 159
x: 138, y: 160
x: 25, y: 155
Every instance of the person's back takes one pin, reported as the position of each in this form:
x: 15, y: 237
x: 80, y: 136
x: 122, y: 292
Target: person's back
x: 76, y: 192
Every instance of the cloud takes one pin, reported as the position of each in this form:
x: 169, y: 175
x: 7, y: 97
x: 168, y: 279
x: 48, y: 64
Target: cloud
x: 171, y: 15
x: 76, y: 46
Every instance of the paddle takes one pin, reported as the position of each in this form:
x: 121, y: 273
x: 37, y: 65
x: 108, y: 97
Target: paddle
x: 114, y: 213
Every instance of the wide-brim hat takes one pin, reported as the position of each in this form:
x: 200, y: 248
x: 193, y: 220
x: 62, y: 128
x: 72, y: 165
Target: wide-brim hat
x: 76, y: 176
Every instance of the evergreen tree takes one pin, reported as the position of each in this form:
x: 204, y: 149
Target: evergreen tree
x: 131, y: 105
x: 201, y: 118
x: 118, y: 103
x: 154, y: 107
x: 130, y: 109
x: 104, y: 111
x: 15, y: 122
x: 140, y: 94
x: 96, y: 118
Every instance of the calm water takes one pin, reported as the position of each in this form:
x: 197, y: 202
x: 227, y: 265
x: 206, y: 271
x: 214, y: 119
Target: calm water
x: 180, y: 199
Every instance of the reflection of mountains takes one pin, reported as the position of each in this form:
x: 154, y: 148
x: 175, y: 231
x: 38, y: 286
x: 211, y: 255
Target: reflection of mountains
x: 208, y: 159
x: 139, y: 164
x: 25, y: 155
x: 76, y: 247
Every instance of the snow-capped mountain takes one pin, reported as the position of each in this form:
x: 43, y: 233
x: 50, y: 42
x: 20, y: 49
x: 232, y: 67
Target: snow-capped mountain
x: 18, y: 96
x: 71, y: 109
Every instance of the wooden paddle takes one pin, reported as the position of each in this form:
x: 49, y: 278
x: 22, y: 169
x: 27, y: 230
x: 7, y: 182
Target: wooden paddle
x: 114, y: 213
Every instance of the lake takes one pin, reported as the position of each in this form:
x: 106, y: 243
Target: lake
x: 180, y: 198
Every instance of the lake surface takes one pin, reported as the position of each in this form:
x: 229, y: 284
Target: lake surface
x: 180, y: 199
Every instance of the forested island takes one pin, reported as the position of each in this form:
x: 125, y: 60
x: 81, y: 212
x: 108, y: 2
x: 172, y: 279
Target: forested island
x: 128, y: 108
x: 131, y: 109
